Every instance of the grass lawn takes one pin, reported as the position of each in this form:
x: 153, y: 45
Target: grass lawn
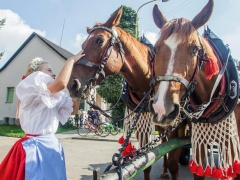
x: 16, y: 131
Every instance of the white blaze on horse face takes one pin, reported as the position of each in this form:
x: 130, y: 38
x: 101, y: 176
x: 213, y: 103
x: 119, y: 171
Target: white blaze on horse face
x: 172, y: 42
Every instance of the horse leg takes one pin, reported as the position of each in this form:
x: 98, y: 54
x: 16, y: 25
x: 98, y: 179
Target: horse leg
x: 164, y: 174
x: 146, y: 173
x: 173, y: 157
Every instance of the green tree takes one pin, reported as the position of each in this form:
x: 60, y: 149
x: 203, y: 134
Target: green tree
x: 111, y: 89
x: 1, y: 24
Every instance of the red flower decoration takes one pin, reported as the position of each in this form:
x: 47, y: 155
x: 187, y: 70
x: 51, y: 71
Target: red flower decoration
x: 121, y: 140
x: 23, y: 77
x: 208, y: 171
x: 128, y: 150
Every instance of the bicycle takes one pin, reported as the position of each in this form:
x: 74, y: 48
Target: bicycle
x: 114, y: 130
x: 98, y: 129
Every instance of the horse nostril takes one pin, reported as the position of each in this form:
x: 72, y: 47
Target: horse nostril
x: 76, y: 84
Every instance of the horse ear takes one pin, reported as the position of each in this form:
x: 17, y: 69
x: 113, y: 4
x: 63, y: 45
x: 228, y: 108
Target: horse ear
x: 158, y: 17
x: 203, y: 16
x: 89, y: 30
x: 114, y: 19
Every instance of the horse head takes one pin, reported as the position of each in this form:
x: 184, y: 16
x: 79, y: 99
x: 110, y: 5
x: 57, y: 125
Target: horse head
x: 176, y: 64
x: 103, y: 57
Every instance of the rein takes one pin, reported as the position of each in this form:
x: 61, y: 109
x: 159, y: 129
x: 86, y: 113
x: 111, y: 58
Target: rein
x: 99, y: 69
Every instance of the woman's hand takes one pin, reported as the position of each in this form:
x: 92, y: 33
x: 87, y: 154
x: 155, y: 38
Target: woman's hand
x: 77, y: 56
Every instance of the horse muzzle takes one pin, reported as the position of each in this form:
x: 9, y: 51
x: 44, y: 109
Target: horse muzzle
x: 166, y: 119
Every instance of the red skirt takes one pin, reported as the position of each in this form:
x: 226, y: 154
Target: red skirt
x: 13, y: 165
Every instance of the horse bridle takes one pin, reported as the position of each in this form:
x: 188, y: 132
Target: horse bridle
x: 99, y: 69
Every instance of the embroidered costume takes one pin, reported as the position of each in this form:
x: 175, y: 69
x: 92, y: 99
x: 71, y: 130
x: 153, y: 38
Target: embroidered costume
x: 38, y: 155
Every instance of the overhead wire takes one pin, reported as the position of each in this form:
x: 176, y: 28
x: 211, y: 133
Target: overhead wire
x: 172, y: 13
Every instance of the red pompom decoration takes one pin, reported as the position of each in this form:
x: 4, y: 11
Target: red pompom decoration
x: 192, y: 166
x: 207, y: 171
x: 199, y: 171
x: 217, y: 173
x: 236, y: 167
x: 211, y: 68
x: 230, y: 172
x: 121, y: 140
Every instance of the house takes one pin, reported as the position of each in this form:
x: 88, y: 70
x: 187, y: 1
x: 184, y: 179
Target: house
x: 12, y: 72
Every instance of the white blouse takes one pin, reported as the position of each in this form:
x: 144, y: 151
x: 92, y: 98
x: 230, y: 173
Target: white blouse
x: 40, y: 113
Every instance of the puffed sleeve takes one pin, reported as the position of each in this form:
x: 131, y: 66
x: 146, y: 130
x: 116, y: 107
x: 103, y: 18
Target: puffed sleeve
x: 33, y: 91
x: 65, y: 108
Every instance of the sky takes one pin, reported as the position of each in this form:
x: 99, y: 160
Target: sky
x: 64, y: 22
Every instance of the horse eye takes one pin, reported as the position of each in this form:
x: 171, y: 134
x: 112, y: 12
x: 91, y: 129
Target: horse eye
x: 195, y: 50
x: 99, y: 40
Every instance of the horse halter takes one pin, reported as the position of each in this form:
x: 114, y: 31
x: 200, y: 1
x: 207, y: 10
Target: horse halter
x: 99, y: 69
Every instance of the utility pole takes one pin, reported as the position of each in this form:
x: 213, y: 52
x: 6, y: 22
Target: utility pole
x: 62, y: 32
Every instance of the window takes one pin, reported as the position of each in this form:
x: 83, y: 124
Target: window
x: 10, y: 93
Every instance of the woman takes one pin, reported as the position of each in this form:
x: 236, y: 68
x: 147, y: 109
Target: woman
x: 43, y: 104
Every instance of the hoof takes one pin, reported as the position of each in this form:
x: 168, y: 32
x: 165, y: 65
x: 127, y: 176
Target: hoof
x: 164, y: 176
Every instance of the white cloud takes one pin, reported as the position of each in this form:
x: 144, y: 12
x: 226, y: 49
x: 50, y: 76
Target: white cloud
x: 79, y: 39
x: 151, y: 36
x: 13, y: 34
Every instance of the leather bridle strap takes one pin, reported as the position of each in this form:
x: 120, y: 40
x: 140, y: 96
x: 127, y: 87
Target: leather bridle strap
x: 170, y: 78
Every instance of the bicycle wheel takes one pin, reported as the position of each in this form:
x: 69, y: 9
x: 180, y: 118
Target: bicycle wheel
x: 103, y: 130
x: 83, y: 130
x: 114, y: 130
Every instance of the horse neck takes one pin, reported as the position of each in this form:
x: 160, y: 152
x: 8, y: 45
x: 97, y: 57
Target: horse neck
x: 136, y: 68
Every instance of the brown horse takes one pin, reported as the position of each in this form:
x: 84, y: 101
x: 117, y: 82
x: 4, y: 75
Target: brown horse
x: 182, y: 67
x: 109, y: 50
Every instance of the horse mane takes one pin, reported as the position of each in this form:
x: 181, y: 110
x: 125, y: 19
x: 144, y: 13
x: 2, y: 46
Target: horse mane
x: 131, y: 42
x: 183, y: 29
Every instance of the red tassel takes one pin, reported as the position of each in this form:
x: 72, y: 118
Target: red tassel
x: 230, y: 172
x: 207, y: 171
x: 192, y: 166
x: 211, y: 68
x: 199, y: 171
x: 121, y: 140
x: 217, y: 173
x: 224, y: 174
x: 236, y: 167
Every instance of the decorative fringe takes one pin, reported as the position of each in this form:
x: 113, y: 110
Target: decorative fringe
x: 224, y: 137
x: 211, y: 68
x: 143, y: 129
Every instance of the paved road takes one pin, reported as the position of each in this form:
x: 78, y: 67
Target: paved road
x: 85, y: 155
